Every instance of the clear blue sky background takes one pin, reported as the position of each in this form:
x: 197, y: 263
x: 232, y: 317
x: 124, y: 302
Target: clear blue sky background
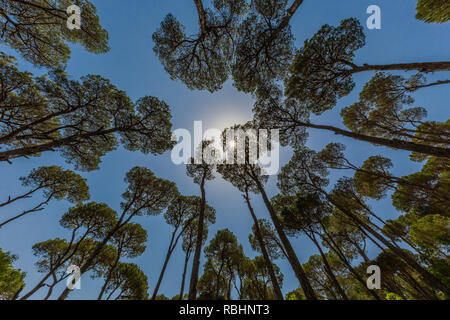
x: 133, y: 67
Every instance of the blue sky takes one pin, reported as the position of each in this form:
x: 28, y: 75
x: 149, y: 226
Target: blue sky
x: 133, y: 67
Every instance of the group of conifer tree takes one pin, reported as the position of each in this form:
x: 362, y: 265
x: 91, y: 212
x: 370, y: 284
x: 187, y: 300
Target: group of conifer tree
x: 251, y: 43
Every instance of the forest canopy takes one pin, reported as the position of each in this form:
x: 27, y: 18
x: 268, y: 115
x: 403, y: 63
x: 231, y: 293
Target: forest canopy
x: 364, y: 179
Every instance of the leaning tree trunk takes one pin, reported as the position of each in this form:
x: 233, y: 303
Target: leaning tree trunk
x: 328, y: 269
x: 292, y: 257
x: 421, y: 67
x: 394, y: 144
x: 269, y: 265
x: 427, y: 276
x: 198, y: 245
x: 183, y: 278
x: 166, y: 262
x: 334, y: 246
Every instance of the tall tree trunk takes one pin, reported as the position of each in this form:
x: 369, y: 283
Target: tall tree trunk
x: 50, y: 146
x: 198, y: 245
x: 183, y: 278
x: 330, y: 273
x: 90, y: 260
x: 422, y: 67
x: 269, y: 265
x: 166, y: 262
x: 395, y: 144
x: 290, y: 13
x: 427, y: 276
x: 292, y: 257
x: 335, y: 247
x: 201, y: 16
x: 109, y: 276
x: 37, y: 287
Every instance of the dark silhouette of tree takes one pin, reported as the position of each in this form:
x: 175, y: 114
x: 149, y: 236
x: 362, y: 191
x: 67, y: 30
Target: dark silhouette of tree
x: 239, y: 176
x: 146, y: 195
x: 200, y: 61
x: 257, y: 281
x: 128, y: 242
x: 200, y: 172
x: 306, y: 172
x: 87, y: 223
x: 54, y: 183
x: 181, y: 214
x: 264, y: 44
x: 292, y: 117
x: 188, y: 246
x: 128, y: 282
x: 80, y: 120
x: 251, y: 177
x: 38, y: 30
x: 322, y: 70
x: 223, y: 255
x: 270, y: 239
x: 304, y: 214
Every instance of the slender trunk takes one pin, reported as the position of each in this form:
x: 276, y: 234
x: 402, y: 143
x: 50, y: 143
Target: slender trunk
x: 394, y: 143
x: 50, y: 146
x: 437, y: 83
x: 50, y: 289
x: 16, y: 295
x: 330, y: 273
x: 198, y: 245
x: 166, y: 262
x: 427, y: 276
x: 201, y: 16
x: 90, y: 260
x: 290, y: 13
x: 292, y: 257
x: 334, y: 246
x: 183, y: 278
x: 362, y: 253
x: 218, y: 281
x: 60, y: 262
x: 109, y: 276
x: 273, y: 278
x: 36, y: 288
x: 422, y: 67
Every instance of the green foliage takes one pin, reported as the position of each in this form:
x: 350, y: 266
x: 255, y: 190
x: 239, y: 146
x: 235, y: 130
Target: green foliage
x: 297, y: 294
x: 271, y: 241
x: 200, y: 61
x: 426, y: 192
x: 54, y: 183
x: 83, y: 120
x: 264, y: 45
x: 380, y: 112
x: 224, y: 255
x: 58, y: 183
x: 96, y: 218
x: 184, y: 211
x: 433, y: 11
x: 393, y: 296
x: 256, y: 284
x: 38, y: 30
x: 128, y: 282
x: 321, y: 71
x: 11, y: 280
x: 146, y: 194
